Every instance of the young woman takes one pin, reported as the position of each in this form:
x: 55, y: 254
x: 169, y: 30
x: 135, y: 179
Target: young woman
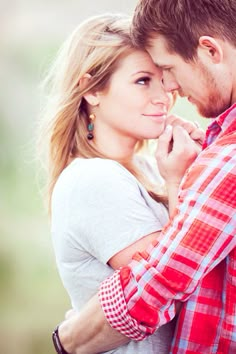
x: 106, y: 200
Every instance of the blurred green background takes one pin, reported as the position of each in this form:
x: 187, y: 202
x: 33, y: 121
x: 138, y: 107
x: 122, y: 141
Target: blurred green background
x: 32, y: 298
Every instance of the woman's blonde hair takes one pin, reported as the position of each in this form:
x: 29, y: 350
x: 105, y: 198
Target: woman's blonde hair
x: 95, y: 47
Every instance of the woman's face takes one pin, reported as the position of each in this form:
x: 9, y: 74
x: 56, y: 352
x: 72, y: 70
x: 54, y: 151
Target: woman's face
x: 135, y: 105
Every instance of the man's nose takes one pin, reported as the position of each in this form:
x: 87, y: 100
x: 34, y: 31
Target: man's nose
x: 170, y: 84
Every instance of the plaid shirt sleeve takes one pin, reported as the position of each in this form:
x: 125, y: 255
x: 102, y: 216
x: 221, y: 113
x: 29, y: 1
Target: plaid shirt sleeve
x: 142, y: 296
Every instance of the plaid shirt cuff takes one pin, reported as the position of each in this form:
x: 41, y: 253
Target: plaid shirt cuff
x: 113, y: 303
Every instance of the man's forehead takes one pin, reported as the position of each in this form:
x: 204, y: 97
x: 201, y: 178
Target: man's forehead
x: 157, y: 41
x: 160, y: 53
x: 160, y: 57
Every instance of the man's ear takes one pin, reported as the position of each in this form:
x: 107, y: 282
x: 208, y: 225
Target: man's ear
x: 211, y: 48
x: 91, y: 97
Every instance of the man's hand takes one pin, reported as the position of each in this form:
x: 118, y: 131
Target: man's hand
x: 176, y: 151
x: 88, y: 332
x: 195, y: 132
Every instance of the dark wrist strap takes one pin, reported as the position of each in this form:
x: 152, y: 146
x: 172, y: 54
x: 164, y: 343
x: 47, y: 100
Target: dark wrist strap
x: 57, y: 343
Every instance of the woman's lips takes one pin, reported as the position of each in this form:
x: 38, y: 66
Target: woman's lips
x: 160, y: 117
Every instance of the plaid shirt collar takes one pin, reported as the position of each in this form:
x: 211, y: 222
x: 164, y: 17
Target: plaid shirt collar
x: 220, y: 125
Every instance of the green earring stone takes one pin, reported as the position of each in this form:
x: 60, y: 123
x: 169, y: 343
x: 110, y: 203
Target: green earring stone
x: 90, y: 127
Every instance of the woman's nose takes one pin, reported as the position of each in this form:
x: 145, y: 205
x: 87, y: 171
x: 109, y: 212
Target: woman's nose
x: 161, y: 97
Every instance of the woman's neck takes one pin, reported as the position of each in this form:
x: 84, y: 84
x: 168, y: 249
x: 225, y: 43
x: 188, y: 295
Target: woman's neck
x: 118, y: 149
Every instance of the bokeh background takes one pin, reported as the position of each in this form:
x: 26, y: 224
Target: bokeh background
x: 32, y: 299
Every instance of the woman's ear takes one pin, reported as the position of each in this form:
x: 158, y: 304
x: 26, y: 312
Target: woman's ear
x: 211, y: 48
x: 91, y: 97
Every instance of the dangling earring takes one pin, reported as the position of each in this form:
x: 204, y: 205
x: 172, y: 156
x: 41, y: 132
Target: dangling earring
x: 90, y: 135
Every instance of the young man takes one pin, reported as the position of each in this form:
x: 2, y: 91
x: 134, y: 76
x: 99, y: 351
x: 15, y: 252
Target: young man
x: 194, y: 42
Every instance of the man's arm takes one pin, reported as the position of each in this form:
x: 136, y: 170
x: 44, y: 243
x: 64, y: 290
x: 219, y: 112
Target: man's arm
x: 199, y: 237
x: 89, y: 332
x: 175, y: 153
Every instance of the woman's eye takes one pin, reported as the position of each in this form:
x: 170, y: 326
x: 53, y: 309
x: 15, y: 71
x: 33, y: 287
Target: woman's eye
x: 143, y: 80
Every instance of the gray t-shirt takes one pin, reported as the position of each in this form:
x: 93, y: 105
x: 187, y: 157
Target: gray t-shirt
x: 98, y: 209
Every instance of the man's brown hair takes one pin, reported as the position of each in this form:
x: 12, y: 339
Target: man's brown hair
x: 182, y: 22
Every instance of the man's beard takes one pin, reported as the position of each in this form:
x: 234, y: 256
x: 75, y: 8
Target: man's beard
x: 215, y: 103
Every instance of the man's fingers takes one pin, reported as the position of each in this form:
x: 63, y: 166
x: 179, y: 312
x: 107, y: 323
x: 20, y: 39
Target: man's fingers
x: 181, y: 139
x: 173, y: 119
x: 183, y: 145
x: 198, y: 135
x: 192, y: 128
x: 175, y: 144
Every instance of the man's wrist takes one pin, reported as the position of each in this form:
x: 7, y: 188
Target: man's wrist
x: 57, y: 343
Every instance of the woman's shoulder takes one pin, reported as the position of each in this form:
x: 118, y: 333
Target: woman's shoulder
x: 94, y: 173
x: 96, y: 167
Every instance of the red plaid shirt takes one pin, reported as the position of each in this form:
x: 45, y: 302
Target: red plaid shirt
x: 193, y: 261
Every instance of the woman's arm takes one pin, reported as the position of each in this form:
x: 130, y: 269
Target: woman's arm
x: 123, y: 257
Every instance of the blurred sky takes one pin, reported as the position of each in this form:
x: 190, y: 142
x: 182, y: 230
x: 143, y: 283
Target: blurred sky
x: 28, y: 28
x: 24, y: 18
